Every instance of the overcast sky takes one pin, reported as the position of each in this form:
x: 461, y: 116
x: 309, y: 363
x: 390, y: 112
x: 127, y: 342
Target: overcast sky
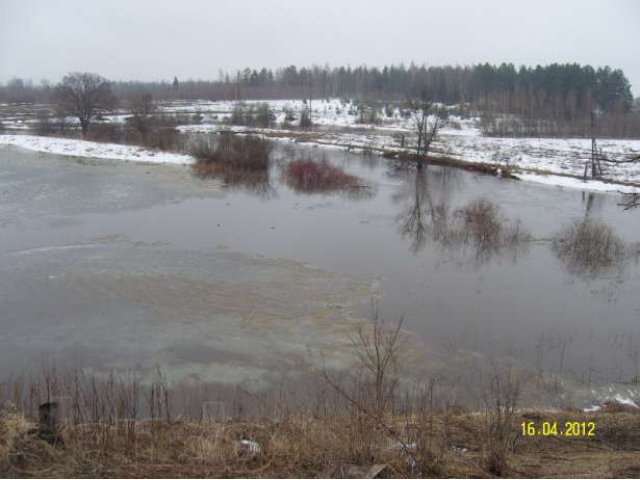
x: 153, y: 40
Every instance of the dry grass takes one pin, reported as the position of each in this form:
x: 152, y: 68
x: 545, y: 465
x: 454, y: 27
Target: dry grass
x: 446, y: 445
x: 153, y: 132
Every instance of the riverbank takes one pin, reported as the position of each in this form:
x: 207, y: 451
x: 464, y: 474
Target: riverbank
x: 442, y: 444
x: 337, y: 124
x: 86, y: 149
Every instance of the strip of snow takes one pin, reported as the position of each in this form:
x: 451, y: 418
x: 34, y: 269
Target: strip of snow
x: 555, y: 155
x: 618, y: 398
x: 625, y: 401
x: 84, y: 148
x: 51, y: 249
x: 570, y: 182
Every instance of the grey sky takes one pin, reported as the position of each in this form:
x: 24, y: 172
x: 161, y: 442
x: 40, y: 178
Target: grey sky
x: 150, y: 40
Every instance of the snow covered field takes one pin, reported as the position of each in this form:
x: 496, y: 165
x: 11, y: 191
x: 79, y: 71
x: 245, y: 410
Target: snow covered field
x: 550, y: 155
x: 548, y: 161
x: 83, y: 148
x: 542, y: 160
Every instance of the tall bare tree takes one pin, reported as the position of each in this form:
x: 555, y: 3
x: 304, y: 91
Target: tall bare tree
x: 427, y: 125
x: 83, y: 95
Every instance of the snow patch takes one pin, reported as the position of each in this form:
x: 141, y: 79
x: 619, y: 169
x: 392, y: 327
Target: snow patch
x: 619, y: 399
x: 571, y: 182
x: 86, y: 149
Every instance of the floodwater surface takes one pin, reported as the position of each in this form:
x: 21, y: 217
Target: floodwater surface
x: 118, y: 266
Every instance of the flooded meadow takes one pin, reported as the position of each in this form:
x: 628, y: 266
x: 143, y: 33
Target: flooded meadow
x: 126, y: 267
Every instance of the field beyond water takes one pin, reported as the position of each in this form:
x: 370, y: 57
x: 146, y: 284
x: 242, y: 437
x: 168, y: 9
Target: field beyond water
x: 349, y: 125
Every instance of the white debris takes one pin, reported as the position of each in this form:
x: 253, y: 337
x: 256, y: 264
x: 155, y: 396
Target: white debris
x: 249, y: 447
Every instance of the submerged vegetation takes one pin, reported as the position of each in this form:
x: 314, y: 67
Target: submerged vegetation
x: 236, y: 160
x: 478, y: 226
x: 311, y: 176
x: 589, y: 248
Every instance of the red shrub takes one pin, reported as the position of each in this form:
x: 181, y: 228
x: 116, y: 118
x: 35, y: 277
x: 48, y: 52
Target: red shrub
x: 313, y: 176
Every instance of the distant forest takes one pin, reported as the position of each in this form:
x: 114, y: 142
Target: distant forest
x: 562, y: 96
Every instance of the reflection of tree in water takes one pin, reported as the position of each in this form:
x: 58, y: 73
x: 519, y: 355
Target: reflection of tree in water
x: 414, y: 224
x: 424, y: 218
x: 478, y: 225
x: 258, y: 183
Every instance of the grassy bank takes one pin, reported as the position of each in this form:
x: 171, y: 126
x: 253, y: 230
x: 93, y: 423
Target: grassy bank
x: 447, y: 443
x: 356, y: 424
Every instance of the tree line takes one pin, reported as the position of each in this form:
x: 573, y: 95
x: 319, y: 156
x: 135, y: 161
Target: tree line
x: 564, y: 95
x: 559, y: 89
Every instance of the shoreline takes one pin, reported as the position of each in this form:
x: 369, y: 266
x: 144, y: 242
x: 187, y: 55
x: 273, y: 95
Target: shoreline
x: 110, y: 151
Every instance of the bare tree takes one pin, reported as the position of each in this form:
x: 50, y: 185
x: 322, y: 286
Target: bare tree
x: 501, y: 397
x: 597, y: 156
x: 378, y: 348
x: 143, y: 104
x: 83, y: 95
x: 427, y: 125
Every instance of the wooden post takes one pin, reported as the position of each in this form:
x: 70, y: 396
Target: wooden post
x: 48, y: 415
x: 596, y: 169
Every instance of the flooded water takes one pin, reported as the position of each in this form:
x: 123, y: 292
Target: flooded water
x: 126, y: 266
